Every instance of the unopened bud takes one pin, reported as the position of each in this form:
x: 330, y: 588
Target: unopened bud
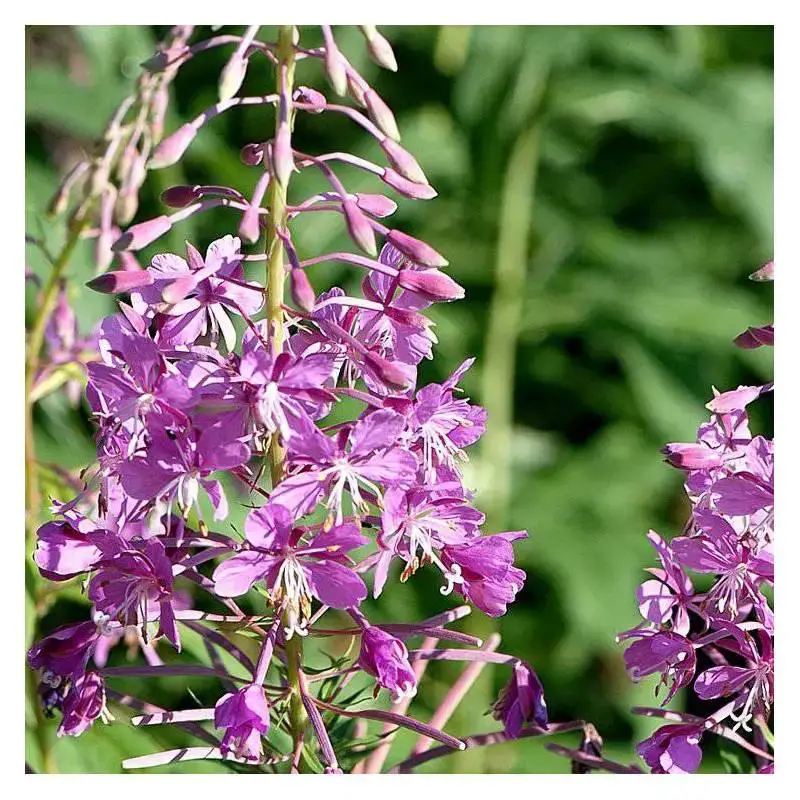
x: 379, y: 49
x: 282, y: 160
x: 142, y: 234
x: 431, y: 284
x: 403, y: 161
x: 180, y: 196
x: 416, y: 250
x: 418, y: 191
x: 311, y: 97
x: 381, y: 114
x: 302, y: 291
x: 232, y: 76
x: 334, y: 64
x: 252, y: 154
x: 393, y: 373
x: 376, y: 204
x: 356, y: 90
x: 171, y: 149
x: 250, y: 227
x: 120, y: 281
x: 359, y: 228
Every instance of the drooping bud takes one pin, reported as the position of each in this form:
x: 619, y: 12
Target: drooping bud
x: 393, y: 373
x: 252, y: 154
x: 416, y: 250
x: 180, y: 196
x: 142, y: 234
x: 119, y: 281
x: 311, y: 97
x: 403, y: 161
x: 303, y: 295
x: 376, y: 204
x: 379, y: 48
x: 232, y: 76
x: 171, y: 149
x: 334, y: 63
x: 431, y: 284
x: 381, y: 114
x: 355, y: 89
x: 250, y: 227
x: 417, y: 191
x: 282, y: 160
x: 359, y: 228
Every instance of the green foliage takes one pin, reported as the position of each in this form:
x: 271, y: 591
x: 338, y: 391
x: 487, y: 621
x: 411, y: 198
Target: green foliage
x: 653, y: 202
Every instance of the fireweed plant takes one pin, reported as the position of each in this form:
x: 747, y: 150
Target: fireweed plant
x: 718, y: 640
x: 337, y: 510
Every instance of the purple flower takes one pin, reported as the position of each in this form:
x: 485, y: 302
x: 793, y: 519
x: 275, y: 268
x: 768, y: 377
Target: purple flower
x: 245, y: 717
x: 717, y: 551
x: 440, y: 426
x: 667, y: 598
x: 416, y: 524
x: 521, y: 701
x: 386, y: 658
x: 665, y: 653
x: 193, y: 297
x: 293, y: 571
x: 130, y: 579
x: 84, y: 703
x: 673, y: 749
x: 66, y: 651
x: 484, y: 572
x: 323, y: 468
x: 63, y: 551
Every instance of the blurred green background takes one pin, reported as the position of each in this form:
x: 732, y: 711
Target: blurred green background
x: 603, y: 194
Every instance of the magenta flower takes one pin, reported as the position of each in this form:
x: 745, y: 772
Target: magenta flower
x: 521, y: 701
x: 193, y: 297
x: 323, y: 468
x: 665, y: 653
x: 63, y: 551
x: 673, y: 749
x: 386, y: 658
x: 245, y: 717
x: 293, y: 571
x: 66, y: 651
x: 484, y: 571
x: 416, y: 524
x: 84, y: 703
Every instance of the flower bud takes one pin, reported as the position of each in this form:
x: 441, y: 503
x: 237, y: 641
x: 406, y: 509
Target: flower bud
x: 394, y: 374
x: 521, y: 701
x: 403, y: 161
x: 251, y: 155
x: 232, y: 76
x: 379, y: 48
x: 417, y: 251
x: 250, y: 227
x: 85, y: 702
x: 386, y: 658
x: 282, y: 160
x: 311, y: 97
x: 691, y: 456
x: 302, y: 291
x: 120, y: 281
x: 180, y: 196
x: 376, y: 204
x: 381, y: 114
x: 430, y: 284
x: 417, y: 191
x: 355, y: 90
x: 171, y: 149
x: 359, y: 228
x: 334, y: 65
x: 142, y: 234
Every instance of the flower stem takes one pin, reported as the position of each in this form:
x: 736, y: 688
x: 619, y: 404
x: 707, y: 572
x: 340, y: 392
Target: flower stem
x: 275, y: 280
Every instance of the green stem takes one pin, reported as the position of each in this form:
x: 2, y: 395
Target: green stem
x: 505, y: 315
x: 35, y: 342
x: 275, y: 281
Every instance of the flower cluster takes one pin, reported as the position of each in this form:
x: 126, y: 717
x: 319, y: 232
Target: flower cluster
x: 718, y: 639
x: 206, y: 384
